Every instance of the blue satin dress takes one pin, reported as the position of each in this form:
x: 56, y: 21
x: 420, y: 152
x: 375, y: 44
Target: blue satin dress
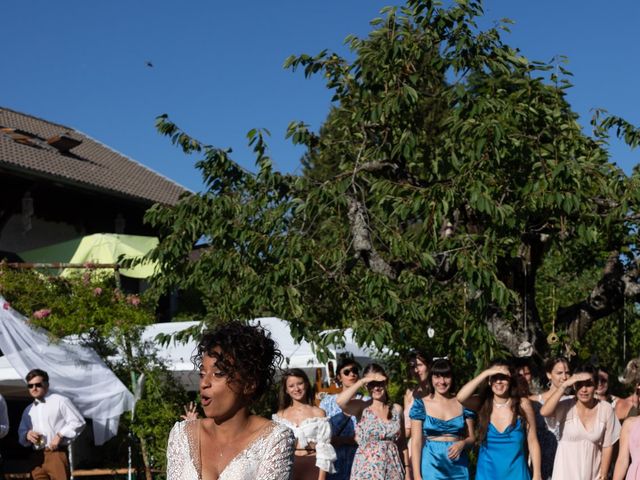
x: 502, y: 454
x: 436, y: 464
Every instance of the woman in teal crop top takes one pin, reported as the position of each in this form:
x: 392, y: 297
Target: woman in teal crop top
x: 442, y: 429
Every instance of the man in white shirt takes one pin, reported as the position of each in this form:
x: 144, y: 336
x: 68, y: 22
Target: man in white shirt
x: 48, y: 425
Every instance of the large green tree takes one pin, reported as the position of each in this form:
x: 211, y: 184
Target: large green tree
x: 449, y: 171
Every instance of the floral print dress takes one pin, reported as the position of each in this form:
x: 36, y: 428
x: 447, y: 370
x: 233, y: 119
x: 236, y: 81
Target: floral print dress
x: 378, y: 456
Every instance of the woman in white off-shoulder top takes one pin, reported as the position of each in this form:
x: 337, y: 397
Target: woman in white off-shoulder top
x: 315, y: 456
x: 237, y: 363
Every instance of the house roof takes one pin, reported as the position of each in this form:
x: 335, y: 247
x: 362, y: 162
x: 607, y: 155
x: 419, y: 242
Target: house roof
x: 89, y: 164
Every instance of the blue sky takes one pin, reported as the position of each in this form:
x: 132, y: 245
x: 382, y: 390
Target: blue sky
x: 217, y: 66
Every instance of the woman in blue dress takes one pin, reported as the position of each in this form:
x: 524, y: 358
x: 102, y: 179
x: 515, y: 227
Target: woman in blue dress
x: 505, y: 422
x: 443, y: 426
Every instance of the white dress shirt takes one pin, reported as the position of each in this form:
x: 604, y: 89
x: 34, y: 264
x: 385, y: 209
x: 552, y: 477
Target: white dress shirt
x: 54, y: 414
x: 4, y: 418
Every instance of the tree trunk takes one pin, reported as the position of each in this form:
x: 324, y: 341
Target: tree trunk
x: 145, y: 459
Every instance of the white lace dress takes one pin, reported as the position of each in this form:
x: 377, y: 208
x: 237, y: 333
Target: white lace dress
x: 314, y: 432
x: 268, y: 457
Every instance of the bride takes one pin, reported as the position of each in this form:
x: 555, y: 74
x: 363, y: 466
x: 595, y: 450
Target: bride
x: 237, y: 363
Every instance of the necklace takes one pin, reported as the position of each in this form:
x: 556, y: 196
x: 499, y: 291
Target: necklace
x: 502, y: 404
x: 223, y: 445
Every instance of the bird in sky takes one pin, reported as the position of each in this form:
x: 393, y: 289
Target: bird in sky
x: 148, y: 64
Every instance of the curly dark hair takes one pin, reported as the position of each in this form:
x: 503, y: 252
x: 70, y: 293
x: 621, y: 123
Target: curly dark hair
x: 284, y: 400
x: 245, y: 354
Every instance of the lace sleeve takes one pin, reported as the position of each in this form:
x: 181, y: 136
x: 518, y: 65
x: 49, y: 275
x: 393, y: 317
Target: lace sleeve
x: 278, y: 459
x: 177, y: 452
x: 325, y: 453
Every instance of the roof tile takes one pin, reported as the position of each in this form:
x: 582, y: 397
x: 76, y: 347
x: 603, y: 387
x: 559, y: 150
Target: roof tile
x: 91, y: 164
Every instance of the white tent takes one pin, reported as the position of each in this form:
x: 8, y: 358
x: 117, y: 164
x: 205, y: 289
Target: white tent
x: 297, y: 355
x: 302, y: 355
x: 177, y: 355
x: 11, y: 383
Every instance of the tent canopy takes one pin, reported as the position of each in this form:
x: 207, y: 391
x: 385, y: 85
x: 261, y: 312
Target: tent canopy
x: 177, y: 355
x: 98, y: 248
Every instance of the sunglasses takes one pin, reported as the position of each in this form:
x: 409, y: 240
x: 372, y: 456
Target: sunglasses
x: 372, y: 385
x: 349, y: 371
x: 34, y: 385
x: 499, y: 377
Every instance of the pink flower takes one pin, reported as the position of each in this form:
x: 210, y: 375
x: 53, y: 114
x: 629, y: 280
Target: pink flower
x: 97, y: 291
x: 133, y: 300
x: 6, y: 305
x: 42, y: 313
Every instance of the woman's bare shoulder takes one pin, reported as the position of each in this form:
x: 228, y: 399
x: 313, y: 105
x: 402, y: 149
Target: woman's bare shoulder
x: 257, y: 422
x: 629, y: 423
x: 318, y: 412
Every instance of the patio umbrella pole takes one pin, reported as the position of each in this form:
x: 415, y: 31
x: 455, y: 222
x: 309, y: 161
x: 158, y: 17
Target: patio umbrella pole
x: 137, y: 386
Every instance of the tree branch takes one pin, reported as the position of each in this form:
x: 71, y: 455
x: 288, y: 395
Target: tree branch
x: 361, y: 241
x: 511, y: 336
x: 608, y: 295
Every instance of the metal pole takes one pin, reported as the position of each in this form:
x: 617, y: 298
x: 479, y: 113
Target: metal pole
x: 62, y: 265
x: 133, y: 413
x: 71, y: 460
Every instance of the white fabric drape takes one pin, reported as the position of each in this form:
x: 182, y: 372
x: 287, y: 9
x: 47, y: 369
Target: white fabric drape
x: 74, y: 371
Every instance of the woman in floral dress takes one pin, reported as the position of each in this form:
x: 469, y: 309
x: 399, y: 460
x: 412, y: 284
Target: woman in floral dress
x: 382, y: 447
x: 343, y: 427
